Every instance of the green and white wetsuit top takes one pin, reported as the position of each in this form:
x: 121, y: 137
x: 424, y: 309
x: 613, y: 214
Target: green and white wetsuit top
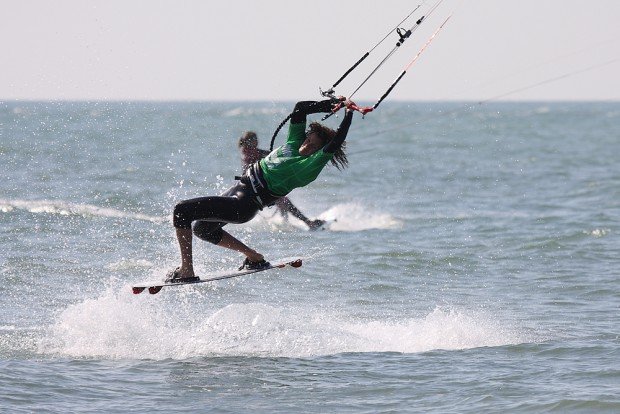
x: 284, y: 169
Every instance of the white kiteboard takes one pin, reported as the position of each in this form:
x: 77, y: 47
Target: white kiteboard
x: 154, y: 286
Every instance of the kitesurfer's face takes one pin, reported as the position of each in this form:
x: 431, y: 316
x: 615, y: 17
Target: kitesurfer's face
x: 311, y: 145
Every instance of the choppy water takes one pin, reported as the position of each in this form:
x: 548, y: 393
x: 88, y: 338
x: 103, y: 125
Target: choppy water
x: 473, y: 264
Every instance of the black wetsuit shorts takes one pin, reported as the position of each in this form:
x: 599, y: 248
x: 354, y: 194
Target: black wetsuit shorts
x: 238, y: 204
x: 210, y: 214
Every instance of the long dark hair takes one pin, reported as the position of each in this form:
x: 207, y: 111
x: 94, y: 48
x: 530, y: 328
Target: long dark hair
x: 339, y: 160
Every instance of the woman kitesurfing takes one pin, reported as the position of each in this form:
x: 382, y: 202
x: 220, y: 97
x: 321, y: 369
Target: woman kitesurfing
x: 295, y: 164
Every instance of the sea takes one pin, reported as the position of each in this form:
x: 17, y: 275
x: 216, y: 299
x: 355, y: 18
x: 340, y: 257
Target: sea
x: 470, y: 263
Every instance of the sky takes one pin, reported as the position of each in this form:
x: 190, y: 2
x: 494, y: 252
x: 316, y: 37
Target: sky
x: 285, y: 50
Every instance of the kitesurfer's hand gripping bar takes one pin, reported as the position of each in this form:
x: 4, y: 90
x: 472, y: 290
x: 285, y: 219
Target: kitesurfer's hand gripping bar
x: 341, y: 101
x: 361, y: 109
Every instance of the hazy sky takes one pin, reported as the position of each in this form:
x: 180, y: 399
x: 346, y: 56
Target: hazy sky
x: 286, y: 49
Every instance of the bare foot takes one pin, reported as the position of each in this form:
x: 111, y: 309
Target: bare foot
x: 183, y: 273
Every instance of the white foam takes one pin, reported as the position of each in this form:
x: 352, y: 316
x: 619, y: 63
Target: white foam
x: 597, y: 232
x: 122, y: 325
x: 66, y: 209
x: 129, y: 263
x: 354, y: 217
x: 272, y: 220
x: 349, y: 217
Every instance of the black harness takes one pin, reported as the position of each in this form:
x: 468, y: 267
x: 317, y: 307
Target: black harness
x: 253, y: 177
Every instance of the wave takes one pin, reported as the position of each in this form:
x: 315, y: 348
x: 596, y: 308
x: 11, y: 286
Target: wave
x: 354, y: 217
x: 120, y: 325
x: 71, y: 209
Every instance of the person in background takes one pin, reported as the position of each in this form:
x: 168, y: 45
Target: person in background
x: 250, y: 153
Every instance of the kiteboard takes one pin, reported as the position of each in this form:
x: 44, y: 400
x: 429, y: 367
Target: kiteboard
x: 157, y: 285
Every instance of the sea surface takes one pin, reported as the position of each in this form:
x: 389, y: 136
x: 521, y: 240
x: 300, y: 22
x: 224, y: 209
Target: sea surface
x: 471, y: 263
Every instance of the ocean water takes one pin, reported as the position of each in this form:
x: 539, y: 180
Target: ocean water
x: 471, y: 263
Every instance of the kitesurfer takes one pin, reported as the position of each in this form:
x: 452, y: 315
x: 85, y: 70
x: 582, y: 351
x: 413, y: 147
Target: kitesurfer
x: 295, y: 164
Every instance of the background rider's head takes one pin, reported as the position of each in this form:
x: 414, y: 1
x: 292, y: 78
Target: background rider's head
x: 248, y: 140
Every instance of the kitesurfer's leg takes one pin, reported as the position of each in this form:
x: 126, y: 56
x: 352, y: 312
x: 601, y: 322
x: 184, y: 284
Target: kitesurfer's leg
x: 184, y: 237
x: 230, y: 242
x: 212, y: 232
x: 286, y: 206
x: 210, y: 214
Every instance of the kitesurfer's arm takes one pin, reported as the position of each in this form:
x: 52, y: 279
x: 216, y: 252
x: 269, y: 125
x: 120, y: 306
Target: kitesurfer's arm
x: 304, y: 108
x: 341, y: 133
